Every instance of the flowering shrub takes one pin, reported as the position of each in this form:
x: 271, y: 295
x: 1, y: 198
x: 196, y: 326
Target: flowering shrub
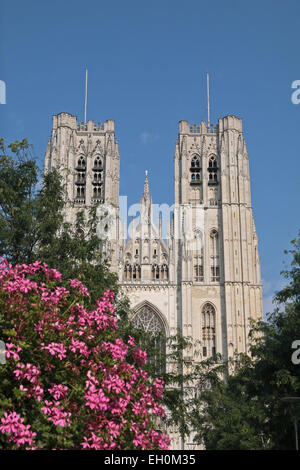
x: 69, y: 381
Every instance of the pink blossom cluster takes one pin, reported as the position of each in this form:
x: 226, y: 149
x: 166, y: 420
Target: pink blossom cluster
x: 31, y: 375
x: 118, y: 350
x: 79, y: 346
x: 108, y: 397
x: 56, y: 413
x: 53, y: 297
x: 58, y: 391
x: 55, y: 349
x: 139, y: 356
x: 12, y: 351
x: 145, y: 441
x: 17, y: 432
x: 75, y: 283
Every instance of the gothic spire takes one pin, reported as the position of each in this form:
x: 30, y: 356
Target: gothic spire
x: 146, y: 184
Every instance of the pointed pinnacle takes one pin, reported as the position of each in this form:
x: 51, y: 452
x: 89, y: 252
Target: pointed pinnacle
x: 146, y: 185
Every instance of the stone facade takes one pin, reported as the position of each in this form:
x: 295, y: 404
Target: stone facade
x: 202, y: 276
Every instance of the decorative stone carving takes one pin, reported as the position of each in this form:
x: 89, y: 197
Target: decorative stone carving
x: 147, y: 319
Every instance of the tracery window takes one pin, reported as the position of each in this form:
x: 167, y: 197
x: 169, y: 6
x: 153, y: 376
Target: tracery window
x: 81, y: 163
x: 98, y: 163
x: 146, y: 319
x: 212, y: 170
x: 208, y: 330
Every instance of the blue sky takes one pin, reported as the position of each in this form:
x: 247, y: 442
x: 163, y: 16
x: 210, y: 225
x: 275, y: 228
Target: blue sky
x: 147, y: 63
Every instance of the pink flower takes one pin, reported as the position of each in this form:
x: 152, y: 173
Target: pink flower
x: 139, y: 356
x: 56, y: 413
x: 9, y: 352
x: 58, y: 391
x: 18, y: 433
x: 75, y: 283
x: 56, y: 349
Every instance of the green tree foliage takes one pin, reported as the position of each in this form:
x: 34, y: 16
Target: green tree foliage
x: 246, y: 410
x: 32, y: 226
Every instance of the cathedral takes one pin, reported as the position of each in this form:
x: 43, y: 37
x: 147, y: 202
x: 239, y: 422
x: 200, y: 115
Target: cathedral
x: 194, y: 268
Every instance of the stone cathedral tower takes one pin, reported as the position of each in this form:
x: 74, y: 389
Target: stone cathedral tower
x: 205, y: 279
x: 87, y: 156
x: 218, y: 267
x: 201, y: 277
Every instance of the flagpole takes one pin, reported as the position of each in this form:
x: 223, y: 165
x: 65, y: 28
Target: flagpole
x: 208, y: 106
x: 85, y: 98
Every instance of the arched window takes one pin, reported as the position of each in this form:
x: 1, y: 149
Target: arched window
x: 81, y: 162
x: 80, y: 177
x: 164, y: 272
x: 127, y: 272
x: 212, y: 162
x: 97, y: 176
x: 98, y: 163
x: 97, y: 192
x: 147, y: 319
x: 136, y: 272
x: 80, y: 192
x: 195, y: 170
x: 208, y: 330
x: 212, y: 170
x: 195, y: 161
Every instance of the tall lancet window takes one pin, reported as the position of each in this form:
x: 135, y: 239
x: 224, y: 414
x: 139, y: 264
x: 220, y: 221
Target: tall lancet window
x: 97, y: 181
x: 214, y: 256
x: 198, y: 257
x: 127, y: 272
x: 136, y: 272
x: 212, y: 170
x: 208, y: 331
x: 164, y: 272
x: 195, y: 170
x: 80, y: 179
x: 155, y: 272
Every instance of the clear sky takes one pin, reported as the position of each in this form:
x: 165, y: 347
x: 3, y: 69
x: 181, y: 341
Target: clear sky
x: 147, y: 63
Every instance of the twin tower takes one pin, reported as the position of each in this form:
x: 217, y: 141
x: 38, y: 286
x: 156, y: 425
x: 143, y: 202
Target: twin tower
x: 199, y: 276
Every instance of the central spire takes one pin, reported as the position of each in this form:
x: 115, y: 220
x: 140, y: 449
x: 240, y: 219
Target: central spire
x: 146, y: 184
